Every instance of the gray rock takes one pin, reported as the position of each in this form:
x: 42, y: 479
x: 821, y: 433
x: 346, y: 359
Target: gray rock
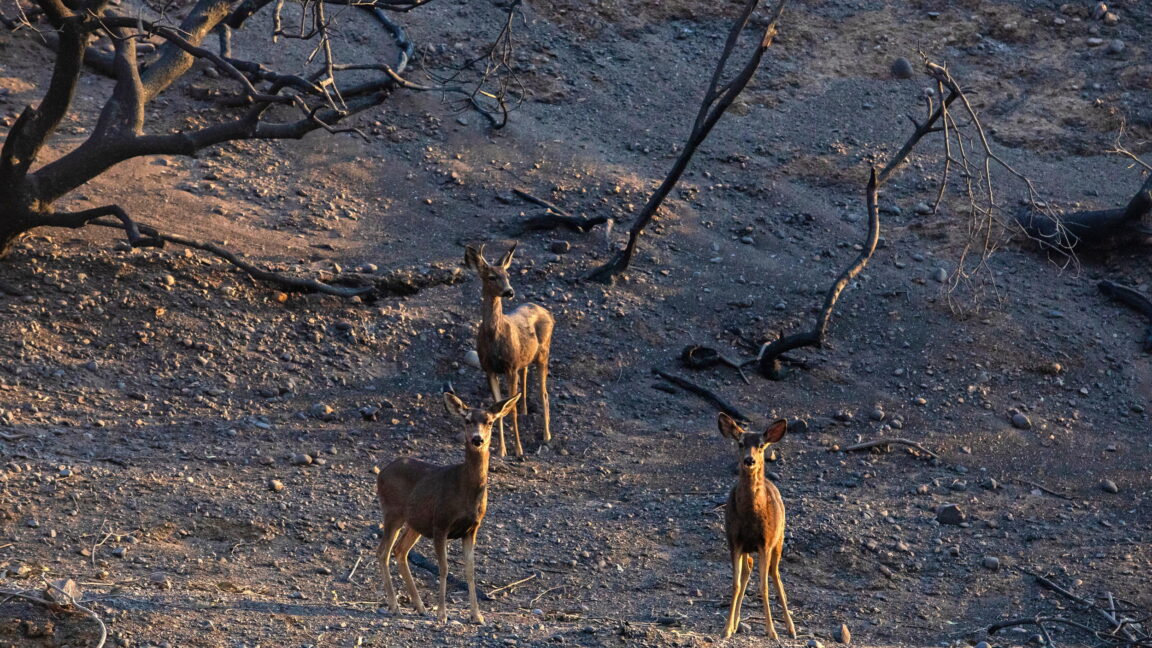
x: 1115, y: 46
x: 982, y: 644
x: 922, y: 209
x: 991, y: 562
x: 1109, y: 486
x: 472, y: 359
x: 940, y: 275
x: 1020, y: 421
x: 320, y: 411
x: 814, y: 643
x: 300, y: 459
x: 876, y: 414
x: 370, y: 412
x: 991, y: 484
x: 950, y: 514
x: 120, y: 552
x: 560, y: 247
x: 901, y: 68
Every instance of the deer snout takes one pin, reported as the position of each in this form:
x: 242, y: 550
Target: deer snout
x: 477, y: 440
x: 749, y: 461
x: 508, y: 293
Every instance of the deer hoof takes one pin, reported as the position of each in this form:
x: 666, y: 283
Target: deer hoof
x: 478, y: 619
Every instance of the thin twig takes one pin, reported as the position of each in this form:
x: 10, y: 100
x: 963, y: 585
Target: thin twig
x: 1039, y: 487
x: 511, y: 585
x: 353, y: 572
x: 885, y: 442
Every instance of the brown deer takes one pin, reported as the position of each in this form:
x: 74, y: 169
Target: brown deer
x: 439, y: 502
x: 754, y: 523
x: 507, y: 344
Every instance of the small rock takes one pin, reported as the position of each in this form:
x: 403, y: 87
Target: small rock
x: 922, y: 209
x: 876, y: 414
x: 1109, y: 486
x: 32, y: 522
x: 1115, y: 46
x: 747, y: 240
x: 1095, y: 42
x: 300, y: 459
x: 169, y: 280
x: 120, y: 552
x: 560, y: 247
x: 160, y: 579
x: 745, y: 628
x: 472, y: 359
x: 1099, y: 10
x: 368, y: 268
x: 901, y: 68
x: 991, y: 484
x: 950, y: 514
x: 814, y: 643
x: 1111, y: 19
x: 940, y: 275
x: 845, y: 636
x: 991, y: 563
x: 1021, y: 422
x: 320, y: 410
x: 370, y: 412
x: 276, y: 485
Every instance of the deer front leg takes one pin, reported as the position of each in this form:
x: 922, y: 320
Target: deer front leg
x: 470, y: 575
x: 523, y: 404
x: 734, y: 606
x: 494, y: 385
x: 513, y: 378
x: 765, y: 561
x: 441, y: 544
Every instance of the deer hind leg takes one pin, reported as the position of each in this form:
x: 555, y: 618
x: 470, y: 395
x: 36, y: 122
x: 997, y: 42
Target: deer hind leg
x: 513, y: 378
x: 403, y: 546
x: 780, y: 589
x: 765, y: 561
x: 383, y: 554
x: 441, y: 543
x: 542, y: 369
x: 494, y: 385
x: 470, y: 575
x: 738, y: 581
x: 523, y: 404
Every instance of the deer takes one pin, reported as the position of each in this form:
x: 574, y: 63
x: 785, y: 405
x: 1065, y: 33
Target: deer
x: 420, y: 499
x: 754, y: 523
x: 508, y: 343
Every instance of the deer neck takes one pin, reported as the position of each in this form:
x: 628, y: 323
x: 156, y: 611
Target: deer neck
x: 751, y: 484
x: 491, y: 311
x: 474, y: 475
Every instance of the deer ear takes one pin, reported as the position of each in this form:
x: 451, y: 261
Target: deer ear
x: 504, y: 407
x: 454, y: 405
x: 506, y: 260
x: 728, y: 427
x: 474, y: 258
x: 776, y: 431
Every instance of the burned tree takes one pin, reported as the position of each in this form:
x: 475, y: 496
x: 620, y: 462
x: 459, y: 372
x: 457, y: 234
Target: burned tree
x: 265, y: 103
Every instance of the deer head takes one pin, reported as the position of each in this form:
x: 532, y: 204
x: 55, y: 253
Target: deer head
x: 751, y: 445
x: 494, y: 277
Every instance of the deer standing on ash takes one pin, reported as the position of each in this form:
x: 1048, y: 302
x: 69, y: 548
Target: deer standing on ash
x: 508, y: 343
x: 439, y: 502
x: 754, y: 523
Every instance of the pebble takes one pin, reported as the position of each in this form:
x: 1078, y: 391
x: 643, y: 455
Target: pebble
x: 814, y: 643
x: 120, y: 552
x: 320, y: 410
x: 902, y: 68
x: 922, y: 209
x: 472, y: 359
x: 876, y: 414
x: 1021, y: 422
x: 845, y: 635
x: 1109, y: 486
x: 982, y: 644
x: 370, y: 412
x: 301, y: 459
x: 950, y: 514
x: 1095, y: 42
x: 747, y: 240
x: 991, y: 484
x: 32, y: 522
x: 560, y: 247
x: 1115, y: 46
x: 745, y: 628
x: 991, y: 562
x: 276, y: 485
x: 940, y: 275
x: 368, y: 268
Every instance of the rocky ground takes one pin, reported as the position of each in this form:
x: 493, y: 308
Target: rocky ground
x: 197, y: 452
